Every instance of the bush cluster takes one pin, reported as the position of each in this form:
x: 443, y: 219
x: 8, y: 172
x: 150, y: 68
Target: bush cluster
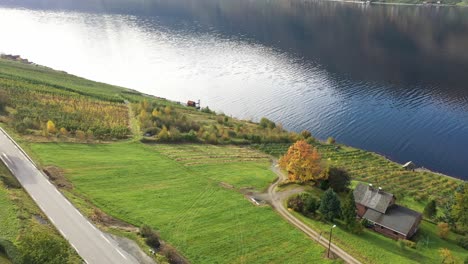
x: 304, y: 203
x: 151, y: 237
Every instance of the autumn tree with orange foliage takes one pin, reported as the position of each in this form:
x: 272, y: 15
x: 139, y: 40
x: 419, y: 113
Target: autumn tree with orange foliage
x: 302, y: 162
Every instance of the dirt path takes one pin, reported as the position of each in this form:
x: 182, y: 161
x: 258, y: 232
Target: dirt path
x: 277, y: 199
x: 133, y: 123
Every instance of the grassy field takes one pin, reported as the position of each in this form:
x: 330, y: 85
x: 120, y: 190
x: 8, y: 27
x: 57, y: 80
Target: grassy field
x: 19, y: 214
x: 163, y: 186
x: 368, y: 167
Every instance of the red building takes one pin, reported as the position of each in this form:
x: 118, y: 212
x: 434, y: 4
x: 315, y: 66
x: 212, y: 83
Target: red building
x: 386, y: 217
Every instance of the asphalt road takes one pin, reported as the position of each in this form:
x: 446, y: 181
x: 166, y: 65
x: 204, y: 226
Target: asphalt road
x: 90, y: 243
x: 277, y: 199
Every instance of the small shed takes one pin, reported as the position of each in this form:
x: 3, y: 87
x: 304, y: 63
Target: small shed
x: 409, y: 166
x: 191, y: 103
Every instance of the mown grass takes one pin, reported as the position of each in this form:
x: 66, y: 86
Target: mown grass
x: 412, y: 189
x: 144, y: 184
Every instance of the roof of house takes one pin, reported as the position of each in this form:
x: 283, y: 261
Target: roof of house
x: 372, y: 198
x: 397, y: 218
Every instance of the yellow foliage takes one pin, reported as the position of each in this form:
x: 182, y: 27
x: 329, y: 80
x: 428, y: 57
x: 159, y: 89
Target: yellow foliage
x: 167, y: 110
x: 51, y: 127
x: 446, y: 255
x: 302, y: 162
x: 443, y: 230
x: 155, y: 113
x: 63, y: 131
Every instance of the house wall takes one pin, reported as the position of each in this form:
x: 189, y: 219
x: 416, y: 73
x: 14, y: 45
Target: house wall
x: 387, y: 232
x: 361, y: 209
x: 415, y: 227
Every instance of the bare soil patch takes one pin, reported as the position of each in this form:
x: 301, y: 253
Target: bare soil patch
x: 57, y: 176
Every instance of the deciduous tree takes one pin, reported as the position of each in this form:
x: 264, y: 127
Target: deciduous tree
x: 302, y: 162
x: 338, y: 179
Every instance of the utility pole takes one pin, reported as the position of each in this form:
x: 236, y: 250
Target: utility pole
x: 329, y: 241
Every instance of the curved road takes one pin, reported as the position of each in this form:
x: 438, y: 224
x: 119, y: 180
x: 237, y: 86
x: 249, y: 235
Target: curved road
x: 277, y: 203
x: 94, y: 246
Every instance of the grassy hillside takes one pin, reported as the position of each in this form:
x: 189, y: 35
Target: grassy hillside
x: 19, y: 218
x: 194, y: 194
x: 163, y: 186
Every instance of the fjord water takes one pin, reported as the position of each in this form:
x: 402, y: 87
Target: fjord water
x: 390, y: 79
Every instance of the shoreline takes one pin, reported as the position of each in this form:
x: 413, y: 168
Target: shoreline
x: 419, y: 169
x: 393, y: 3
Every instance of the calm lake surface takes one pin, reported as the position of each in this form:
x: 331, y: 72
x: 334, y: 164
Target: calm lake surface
x: 390, y: 79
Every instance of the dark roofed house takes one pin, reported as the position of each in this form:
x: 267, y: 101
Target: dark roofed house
x: 379, y: 208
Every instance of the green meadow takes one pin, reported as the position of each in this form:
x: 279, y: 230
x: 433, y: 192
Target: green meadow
x: 187, y: 201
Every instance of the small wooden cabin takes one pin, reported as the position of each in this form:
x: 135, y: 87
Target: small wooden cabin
x: 386, y: 217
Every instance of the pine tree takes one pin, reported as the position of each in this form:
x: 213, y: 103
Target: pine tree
x: 330, y: 205
x: 348, y: 209
x: 430, y: 210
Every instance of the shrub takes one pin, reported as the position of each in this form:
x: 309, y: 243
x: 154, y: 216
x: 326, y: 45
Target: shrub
x: 324, y: 185
x: 296, y: 203
x: 10, y: 250
x: 401, y: 244
x: 407, y: 243
x: 145, y: 231
x: 39, y: 246
x: 172, y: 256
x: 463, y: 242
x: 151, y: 236
x: 430, y: 210
x: 443, y: 230
x: 331, y: 140
x: 366, y: 223
x: 306, y: 134
x: 153, y: 241
x: 311, y: 204
x: 266, y: 123
x: 10, y: 182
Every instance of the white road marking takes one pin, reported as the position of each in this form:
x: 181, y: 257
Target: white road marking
x: 89, y: 223
x: 68, y: 202
x: 103, y: 236
x: 78, y: 212
x: 121, y: 254
x: 52, y: 220
x: 57, y: 192
x: 75, y: 248
x: 61, y: 232
x: 6, y: 157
